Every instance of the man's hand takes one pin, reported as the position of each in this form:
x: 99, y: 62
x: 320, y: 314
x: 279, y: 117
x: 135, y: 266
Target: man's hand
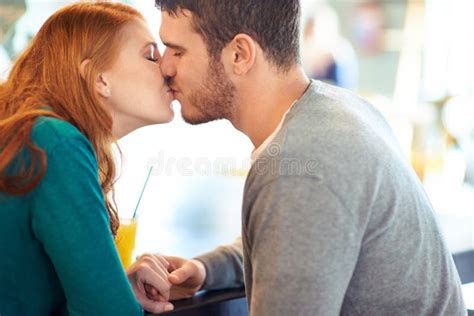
x: 150, y: 273
x: 186, y: 277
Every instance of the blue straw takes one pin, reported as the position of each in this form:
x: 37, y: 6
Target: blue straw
x: 143, y: 190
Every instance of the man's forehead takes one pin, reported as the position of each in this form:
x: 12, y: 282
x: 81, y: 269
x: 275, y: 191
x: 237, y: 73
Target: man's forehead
x: 176, y: 26
x: 180, y: 19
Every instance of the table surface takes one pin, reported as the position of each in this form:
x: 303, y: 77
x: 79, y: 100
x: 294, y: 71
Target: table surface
x: 223, y: 302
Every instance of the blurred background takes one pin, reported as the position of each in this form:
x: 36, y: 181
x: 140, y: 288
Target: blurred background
x: 412, y: 59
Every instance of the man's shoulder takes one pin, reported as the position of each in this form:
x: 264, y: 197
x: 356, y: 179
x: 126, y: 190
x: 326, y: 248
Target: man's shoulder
x: 329, y: 134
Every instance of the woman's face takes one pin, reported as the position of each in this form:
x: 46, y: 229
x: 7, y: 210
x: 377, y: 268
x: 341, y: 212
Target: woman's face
x: 137, y: 93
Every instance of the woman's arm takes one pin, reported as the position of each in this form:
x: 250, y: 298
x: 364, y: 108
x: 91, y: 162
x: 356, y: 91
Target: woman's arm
x: 70, y: 220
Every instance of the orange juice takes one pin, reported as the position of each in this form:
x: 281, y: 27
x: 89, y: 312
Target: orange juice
x: 125, y: 241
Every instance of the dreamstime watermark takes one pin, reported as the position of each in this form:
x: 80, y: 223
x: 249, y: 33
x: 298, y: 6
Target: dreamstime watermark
x: 275, y: 160
x: 271, y: 160
x: 197, y: 166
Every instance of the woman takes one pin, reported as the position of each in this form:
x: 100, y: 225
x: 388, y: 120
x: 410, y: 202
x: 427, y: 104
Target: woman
x: 90, y: 76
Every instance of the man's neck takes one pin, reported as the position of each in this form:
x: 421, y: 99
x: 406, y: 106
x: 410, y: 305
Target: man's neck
x: 263, y: 104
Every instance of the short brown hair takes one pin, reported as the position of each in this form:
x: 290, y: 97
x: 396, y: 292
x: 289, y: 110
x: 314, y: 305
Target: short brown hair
x: 274, y: 24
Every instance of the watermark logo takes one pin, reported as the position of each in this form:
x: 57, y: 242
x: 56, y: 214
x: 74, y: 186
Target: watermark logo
x: 271, y: 160
x: 274, y: 161
x: 198, y: 166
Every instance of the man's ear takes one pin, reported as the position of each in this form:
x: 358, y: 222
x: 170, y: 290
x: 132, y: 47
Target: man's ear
x: 102, y: 86
x: 242, y: 50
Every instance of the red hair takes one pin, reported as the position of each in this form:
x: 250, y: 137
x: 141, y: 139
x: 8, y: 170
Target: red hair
x: 48, y: 73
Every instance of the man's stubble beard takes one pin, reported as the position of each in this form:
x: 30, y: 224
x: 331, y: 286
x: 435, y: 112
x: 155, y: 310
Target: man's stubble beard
x: 214, y: 100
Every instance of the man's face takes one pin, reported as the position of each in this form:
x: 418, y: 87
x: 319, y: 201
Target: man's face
x: 199, y: 82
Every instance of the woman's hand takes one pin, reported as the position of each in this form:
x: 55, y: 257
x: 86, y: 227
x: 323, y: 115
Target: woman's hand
x: 148, y: 277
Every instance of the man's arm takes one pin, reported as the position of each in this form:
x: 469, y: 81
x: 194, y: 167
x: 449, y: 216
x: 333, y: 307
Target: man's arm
x: 304, y: 246
x: 224, y: 267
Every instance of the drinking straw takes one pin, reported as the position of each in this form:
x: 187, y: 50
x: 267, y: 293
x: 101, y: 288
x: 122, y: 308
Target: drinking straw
x: 141, y: 194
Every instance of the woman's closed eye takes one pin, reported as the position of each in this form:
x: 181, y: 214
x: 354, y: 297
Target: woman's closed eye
x: 152, y: 53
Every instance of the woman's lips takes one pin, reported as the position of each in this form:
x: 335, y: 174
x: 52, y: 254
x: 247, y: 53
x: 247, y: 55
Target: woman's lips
x: 170, y: 94
x: 173, y: 90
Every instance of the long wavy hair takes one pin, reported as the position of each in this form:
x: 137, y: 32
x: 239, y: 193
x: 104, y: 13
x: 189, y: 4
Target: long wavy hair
x: 48, y: 73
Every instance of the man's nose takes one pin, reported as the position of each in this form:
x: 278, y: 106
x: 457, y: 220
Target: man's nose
x: 168, y: 69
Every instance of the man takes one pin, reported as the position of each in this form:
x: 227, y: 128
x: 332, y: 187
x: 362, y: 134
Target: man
x: 334, y: 219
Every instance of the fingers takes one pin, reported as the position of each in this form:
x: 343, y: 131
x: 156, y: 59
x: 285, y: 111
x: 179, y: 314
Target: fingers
x: 152, y: 271
x: 147, y: 275
x: 150, y: 290
x: 180, y: 275
x: 163, y: 261
x: 174, y: 262
x: 153, y: 306
x: 153, y: 294
x: 158, y: 263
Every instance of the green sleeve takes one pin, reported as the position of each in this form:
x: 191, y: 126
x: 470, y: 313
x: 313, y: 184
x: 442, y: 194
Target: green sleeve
x: 70, y: 220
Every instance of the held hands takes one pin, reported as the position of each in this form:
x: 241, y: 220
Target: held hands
x: 155, y: 280
x: 151, y: 272
x: 186, y: 277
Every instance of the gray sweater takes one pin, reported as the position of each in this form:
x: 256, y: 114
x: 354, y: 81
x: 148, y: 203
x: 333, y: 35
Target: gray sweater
x: 335, y: 221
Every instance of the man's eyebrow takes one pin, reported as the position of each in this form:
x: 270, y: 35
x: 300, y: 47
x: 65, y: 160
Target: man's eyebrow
x: 174, y: 46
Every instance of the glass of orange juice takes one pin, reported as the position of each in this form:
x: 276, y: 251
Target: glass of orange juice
x: 125, y: 240
x: 127, y: 232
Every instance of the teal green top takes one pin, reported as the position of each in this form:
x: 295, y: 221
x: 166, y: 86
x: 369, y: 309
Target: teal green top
x: 57, y: 255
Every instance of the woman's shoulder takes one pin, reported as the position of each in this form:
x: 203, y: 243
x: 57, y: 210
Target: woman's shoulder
x: 49, y: 132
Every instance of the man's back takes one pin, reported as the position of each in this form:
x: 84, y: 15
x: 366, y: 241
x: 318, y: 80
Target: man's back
x: 336, y: 222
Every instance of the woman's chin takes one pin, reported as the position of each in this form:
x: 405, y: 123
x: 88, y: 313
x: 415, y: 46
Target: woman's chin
x: 163, y: 118
x: 169, y: 119
x: 170, y: 115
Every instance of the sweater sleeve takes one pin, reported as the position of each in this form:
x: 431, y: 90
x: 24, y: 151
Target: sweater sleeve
x: 304, y: 248
x: 70, y: 219
x: 224, y: 268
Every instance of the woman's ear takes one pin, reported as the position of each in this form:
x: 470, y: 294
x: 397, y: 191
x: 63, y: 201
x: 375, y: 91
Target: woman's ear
x: 243, y: 52
x: 82, y: 68
x: 102, y: 86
